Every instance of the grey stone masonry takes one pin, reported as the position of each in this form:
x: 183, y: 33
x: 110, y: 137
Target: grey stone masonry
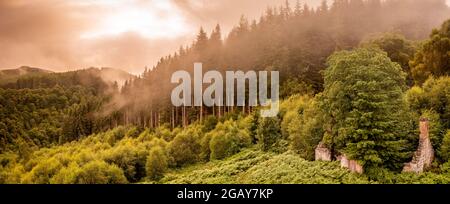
x: 322, y: 153
x: 424, y: 155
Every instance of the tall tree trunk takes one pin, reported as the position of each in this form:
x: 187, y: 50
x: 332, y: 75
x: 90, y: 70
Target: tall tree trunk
x: 151, y: 118
x: 201, y: 113
x: 184, y: 116
x: 172, y: 118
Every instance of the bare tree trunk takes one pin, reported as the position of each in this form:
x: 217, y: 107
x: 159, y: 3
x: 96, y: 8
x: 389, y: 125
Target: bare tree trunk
x: 159, y: 119
x: 145, y: 122
x: 220, y: 107
x: 201, y: 113
x: 184, y: 116
x: 151, y: 119
x: 172, y: 119
x: 176, y: 116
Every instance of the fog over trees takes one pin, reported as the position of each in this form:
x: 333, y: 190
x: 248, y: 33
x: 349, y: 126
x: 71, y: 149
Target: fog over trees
x: 356, y: 77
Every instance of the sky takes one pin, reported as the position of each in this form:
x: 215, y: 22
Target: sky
x: 62, y: 35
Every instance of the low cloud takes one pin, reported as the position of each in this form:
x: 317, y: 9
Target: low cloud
x: 49, y: 34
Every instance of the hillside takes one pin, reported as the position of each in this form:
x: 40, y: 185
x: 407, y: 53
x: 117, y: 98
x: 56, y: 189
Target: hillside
x: 42, y: 108
x: 296, y: 41
x: 11, y: 75
x: 256, y: 167
x: 91, y: 77
x: 111, y: 75
x: 252, y: 166
x: 370, y: 96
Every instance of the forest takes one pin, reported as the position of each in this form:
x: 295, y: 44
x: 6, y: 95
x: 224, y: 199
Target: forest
x: 356, y: 76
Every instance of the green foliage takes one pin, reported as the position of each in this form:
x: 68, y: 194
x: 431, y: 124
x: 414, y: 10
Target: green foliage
x: 157, y: 163
x: 432, y: 100
x: 415, y: 98
x: 33, y: 118
x: 43, y: 172
x: 94, y: 172
x: 80, y: 120
x: 424, y: 178
x: 48, y: 121
x: 252, y: 166
x: 130, y: 158
x: 397, y: 47
x: 94, y: 159
x: 296, y: 45
x: 433, y: 58
x: 289, y: 168
x: 165, y: 133
x: 10, y: 169
x: 436, y: 130
x: 269, y: 133
x: 444, y: 151
x: 293, y: 86
x: 302, y: 125
x: 227, y: 139
x: 185, y: 148
x: 363, y: 103
x: 437, y: 97
x: 210, y: 123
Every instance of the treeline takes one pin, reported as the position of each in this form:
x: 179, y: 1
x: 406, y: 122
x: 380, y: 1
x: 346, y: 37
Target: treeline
x: 293, y: 39
x: 152, y: 155
x: 91, y: 77
x: 366, y: 111
x: 48, y: 109
x: 364, y: 102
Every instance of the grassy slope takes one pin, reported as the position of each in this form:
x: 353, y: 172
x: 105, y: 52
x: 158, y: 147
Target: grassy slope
x: 253, y: 166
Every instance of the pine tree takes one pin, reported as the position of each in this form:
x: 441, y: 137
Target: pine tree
x: 323, y: 9
x: 202, y: 41
x: 298, y: 8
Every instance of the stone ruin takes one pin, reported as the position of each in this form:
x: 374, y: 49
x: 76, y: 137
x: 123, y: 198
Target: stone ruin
x: 352, y: 165
x: 322, y: 153
x: 422, y: 158
x: 424, y: 155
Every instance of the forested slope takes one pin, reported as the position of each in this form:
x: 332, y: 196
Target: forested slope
x: 345, y: 83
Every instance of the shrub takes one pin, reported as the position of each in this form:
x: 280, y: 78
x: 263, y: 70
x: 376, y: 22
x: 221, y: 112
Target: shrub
x: 445, y: 147
x: 210, y: 123
x: 415, y: 98
x: 100, y: 172
x: 115, y: 135
x: 185, y: 148
x: 130, y: 158
x: 67, y: 175
x: 133, y: 132
x: 227, y: 139
x: 205, y: 152
x: 164, y: 132
x: 156, y: 163
x: 437, y: 95
x: 268, y: 133
x: 42, y: 172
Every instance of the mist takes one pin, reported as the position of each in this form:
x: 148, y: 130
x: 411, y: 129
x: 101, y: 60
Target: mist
x: 51, y: 34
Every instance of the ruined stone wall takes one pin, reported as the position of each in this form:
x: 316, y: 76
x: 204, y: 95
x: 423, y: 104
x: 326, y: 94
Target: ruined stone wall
x: 322, y: 153
x: 422, y: 158
x: 352, y: 165
x: 424, y: 155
